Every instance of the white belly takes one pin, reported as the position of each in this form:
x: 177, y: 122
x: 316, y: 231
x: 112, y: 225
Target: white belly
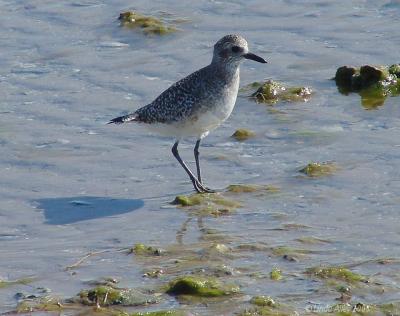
x: 205, y: 121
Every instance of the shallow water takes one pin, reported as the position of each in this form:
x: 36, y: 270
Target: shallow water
x: 70, y: 185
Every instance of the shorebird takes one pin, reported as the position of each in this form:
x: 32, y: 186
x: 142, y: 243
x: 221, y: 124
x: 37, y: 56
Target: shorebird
x: 198, y: 103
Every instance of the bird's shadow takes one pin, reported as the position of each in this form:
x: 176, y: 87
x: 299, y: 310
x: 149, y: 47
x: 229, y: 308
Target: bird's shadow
x: 59, y: 211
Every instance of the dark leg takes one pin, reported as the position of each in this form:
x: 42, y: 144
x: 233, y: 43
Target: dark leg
x: 196, y: 157
x: 196, y: 184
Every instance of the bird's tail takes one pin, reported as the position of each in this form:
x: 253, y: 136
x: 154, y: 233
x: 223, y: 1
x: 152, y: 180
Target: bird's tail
x: 124, y: 119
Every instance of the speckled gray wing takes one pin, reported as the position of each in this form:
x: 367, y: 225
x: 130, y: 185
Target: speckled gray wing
x: 178, y: 102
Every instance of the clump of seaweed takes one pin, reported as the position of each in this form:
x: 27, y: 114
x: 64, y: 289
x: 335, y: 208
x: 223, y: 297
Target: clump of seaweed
x: 317, y: 169
x: 275, y: 274
x: 337, y: 273
x: 207, y: 204
x: 271, y: 92
x: 43, y: 304
x: 106, y: 296
x: 243, y: 134
x: 143, y: 250
x: 263, y: 300
x: 200, y: 286
x: 266, y: 306
x: 373, y: 83
x: 148, y: 24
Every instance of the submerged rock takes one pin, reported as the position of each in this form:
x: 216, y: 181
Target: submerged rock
x: 373, y: 83
x: 338, y: 273
x: 271, y: 92
x: 148, y: 24
x: 106, y: 295
x: 200, y: 286
x: 316, y: 169
x: 242, y: 134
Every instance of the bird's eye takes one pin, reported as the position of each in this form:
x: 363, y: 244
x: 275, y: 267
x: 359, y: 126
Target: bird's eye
x: 236, y: 49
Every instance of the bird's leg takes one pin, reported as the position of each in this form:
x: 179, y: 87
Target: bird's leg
x: 196, y: 184
x: 196, y: 157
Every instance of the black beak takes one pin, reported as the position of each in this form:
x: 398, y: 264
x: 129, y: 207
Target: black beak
x: 255, y: 58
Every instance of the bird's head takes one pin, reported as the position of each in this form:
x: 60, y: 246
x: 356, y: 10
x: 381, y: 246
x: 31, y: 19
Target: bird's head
x: 233, y: 49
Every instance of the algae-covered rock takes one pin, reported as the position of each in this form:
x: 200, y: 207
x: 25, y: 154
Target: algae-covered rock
x: 271, y: 92
x: 188, y: 200
x: 275, y: 274
x: 200, y: 286
x: 148, y: 24
x: 395, y: 70
x: 205, y: 200
x: 106, y: 295
x: 249, y: 188
x: 143, y: 250
x: 243, y: 134
x: 373, y: 83
x: 316, y: 169
x: 337, y: 273
x: 263, y: 301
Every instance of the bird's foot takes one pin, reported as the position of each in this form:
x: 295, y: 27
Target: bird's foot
x: 200, y: 188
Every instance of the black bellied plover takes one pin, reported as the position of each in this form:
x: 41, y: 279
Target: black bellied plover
x: 199, y: 103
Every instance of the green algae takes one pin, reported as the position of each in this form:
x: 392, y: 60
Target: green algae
x: 263, y: 300
x: 24, y: 281
x: 275, y: 274
x: 250, y: 188
x: 336, y: 273
x: 373, y: 84
x: 316, y: 169
x: 395, y: 70
x: 148, y: 24
x: 154, y: 274
x: 312, y: 240
x: 143, y: 250
x: 106, y: 296
x: 43, y: 304
x: 204, y: 198
x: 243, y: 134
x: 188, y: 200
x: 200, y: 286
x: 284, y: 250
x: 207, y: 204
x: 295, y: 226
x: 389, y: 309
x: 160, y: 313
x: 264, y: 311
x: 251, y: 86
x: 219, y: 248
x: 271, y: 92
